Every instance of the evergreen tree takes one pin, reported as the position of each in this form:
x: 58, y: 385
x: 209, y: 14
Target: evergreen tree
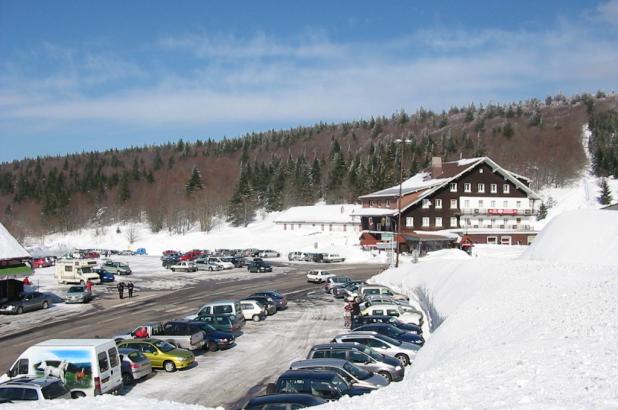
x: 606, y: 193
x: 507, y: 130
x: 542, y: 212
x: 123, y: 190
x: 241, y: 208
x: 157, y: 163
x: 195, y: 182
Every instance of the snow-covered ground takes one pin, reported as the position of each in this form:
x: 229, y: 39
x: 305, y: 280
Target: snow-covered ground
x: 538, y: 331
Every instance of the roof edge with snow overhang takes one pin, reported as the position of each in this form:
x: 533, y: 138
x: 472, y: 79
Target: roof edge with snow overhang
x: 9, y: 247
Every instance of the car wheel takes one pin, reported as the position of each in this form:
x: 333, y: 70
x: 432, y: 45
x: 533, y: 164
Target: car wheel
x: 404, y: 359
x: 20, y: 310
x: 212, y: 347
x: 173, y: 270
x: 256, y: 318
x: 45, y: 304
x: 386, y: 375
x: 78, y: 394
x: 169, y: 366
x: 127, y: 379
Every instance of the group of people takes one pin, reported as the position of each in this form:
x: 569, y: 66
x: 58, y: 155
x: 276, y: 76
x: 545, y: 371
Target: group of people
x: 121, y: 286
x: 352, y: 309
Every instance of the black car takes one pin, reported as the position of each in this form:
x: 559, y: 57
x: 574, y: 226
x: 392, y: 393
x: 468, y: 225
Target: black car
x: 391, y: 320
x: 259, y: 266
x: 169, y: 260
x: 293, y: 400
x: 238, y: 261
x: 280, y: 301
x: 392, y: 332
x: 325, y: 384
x: 214, y: 339
x: 266, y: 301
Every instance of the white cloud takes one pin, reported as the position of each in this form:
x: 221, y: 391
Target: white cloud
x: 609, y: 11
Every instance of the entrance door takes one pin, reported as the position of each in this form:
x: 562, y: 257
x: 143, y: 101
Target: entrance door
x: 505, y: 240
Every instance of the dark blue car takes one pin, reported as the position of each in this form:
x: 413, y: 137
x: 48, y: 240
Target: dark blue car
x: 279, y: 401
x: 325, y: 384
x: 105, y: 276
x: 392, y: 332
x: 391, y: 320
x: 214, y: 339
x: 280, y: 300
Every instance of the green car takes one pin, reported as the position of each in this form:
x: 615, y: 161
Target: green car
x: 226, y: 323
x: 161, y: 354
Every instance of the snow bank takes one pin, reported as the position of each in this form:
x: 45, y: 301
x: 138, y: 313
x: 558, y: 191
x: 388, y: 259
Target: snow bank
x: 108, y: 402
x: 518, y: 333
x: 586, y: 236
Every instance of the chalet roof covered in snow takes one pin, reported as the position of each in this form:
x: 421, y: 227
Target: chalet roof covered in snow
x: 320, y: 213
x: 9, y: 247
x: 423, y: 184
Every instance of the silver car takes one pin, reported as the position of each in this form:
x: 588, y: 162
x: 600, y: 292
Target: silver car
x: 353, y: 374
x: 33, y: 389
x: 402, y: 351
x: 78, y: 294
x: 134, y: 365
x: 362, y: 356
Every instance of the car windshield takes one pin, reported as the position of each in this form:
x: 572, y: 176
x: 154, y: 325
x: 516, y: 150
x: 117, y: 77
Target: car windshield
x: 54, y: 390
x: 340, y: 383
x: 76, y: 289
x: 207, y: 328
x: 357, y: 372
x: 373, y: 354
x: 392, y: 331
x: 163, y: 346
x: 389, y: 340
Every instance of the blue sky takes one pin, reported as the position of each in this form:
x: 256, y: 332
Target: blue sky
x: 82, y: 75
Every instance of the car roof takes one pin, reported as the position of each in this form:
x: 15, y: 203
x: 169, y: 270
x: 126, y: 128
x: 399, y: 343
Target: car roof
x: 359, y: 333
x: 310, y: 374
x: 140, y: 340
x: 127, y: 350
x: 75, y: 342
x: 221, y: 302
x: 338, y: 346
x: 287, y: 398
x: 31, y: 381
x: 318, y: 362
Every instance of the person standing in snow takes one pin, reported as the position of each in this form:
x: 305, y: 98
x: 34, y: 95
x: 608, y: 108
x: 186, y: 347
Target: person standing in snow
x: 130, y: 289
x: 120, y: 288
x: 347, y: 315
x: 89, y: 285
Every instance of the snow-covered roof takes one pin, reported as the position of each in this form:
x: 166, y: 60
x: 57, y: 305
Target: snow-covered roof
x: 320, y: 213
x: 9, y: 247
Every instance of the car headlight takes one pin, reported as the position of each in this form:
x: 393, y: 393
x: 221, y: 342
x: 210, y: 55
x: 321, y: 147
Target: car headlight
x: 398, y: 368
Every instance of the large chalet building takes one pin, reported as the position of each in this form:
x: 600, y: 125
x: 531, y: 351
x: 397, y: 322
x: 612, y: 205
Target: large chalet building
x: 471, y: 199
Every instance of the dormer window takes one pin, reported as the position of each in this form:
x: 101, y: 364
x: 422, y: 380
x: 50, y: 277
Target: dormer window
x: 506, y: 188
x: 426, y: 203
x: 453, y: 186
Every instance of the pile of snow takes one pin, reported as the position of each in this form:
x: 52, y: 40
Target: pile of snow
x: 263, y: 233
x: 108, y: 402
x: 586, y: 236
x: 518, y: 333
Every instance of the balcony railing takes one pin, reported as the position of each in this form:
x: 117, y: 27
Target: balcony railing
x: 499, y: 211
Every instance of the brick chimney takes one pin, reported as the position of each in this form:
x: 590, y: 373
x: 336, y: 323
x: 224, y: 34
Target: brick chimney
x: 436, y: 167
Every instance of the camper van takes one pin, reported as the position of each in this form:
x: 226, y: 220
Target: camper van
x: 87, y: 367
x: 76, y: 271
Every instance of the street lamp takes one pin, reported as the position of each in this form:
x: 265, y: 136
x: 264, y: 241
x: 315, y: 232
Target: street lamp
x: 402, y: 142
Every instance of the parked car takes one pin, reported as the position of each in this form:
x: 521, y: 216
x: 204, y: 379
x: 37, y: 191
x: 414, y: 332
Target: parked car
x: 117, y: 268
x: 364, y: 320
x: 221, y: 261
x: 126, y: 252
x: 353, y: 374
x: 104, y: 276
x: 191, y: 255
x: 296, y: 256
x: 347, y: 291
x: 393, y: 332
x: 78, y: 294
x: 41, y: 263
x: 225, y: 323
x: 332, y: 258
x: 283, y: 401
x: 269, y: 253
x: 33, y: 389
x: 90, y: 367
x: 388, y: 300
x: 367, y: 290
x: 362, y: 356
x: 220, y: 307
x: 27, y: 302
x: 207, y: 264
x: 280, y: 300
x: 176, y: 333
x: 214, y: 339
x: 266, y: 301
x: 318, y: 276
x: 140, y: 251
x: 169, y: 260
x: 327, y: 385
x: 184, y: 266
x: 393, y: 310
x: 134, y: 364
x: 259, y: 266
x: 169, y: 252
x: 335, y: 281
x: 161, y: 354
x: 238, y: 261
x: 402, y: 351
x: 252, y: 310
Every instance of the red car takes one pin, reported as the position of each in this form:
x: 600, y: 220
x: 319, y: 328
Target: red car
x: 40, y: 263
x: 92, y: 255
x: 169, y: 252
x: 191, y: 255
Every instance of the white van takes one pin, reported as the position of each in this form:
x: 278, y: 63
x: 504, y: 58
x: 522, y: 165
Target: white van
x: 76, y: 271
x: 220, y: 307
x: 87, y: 367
